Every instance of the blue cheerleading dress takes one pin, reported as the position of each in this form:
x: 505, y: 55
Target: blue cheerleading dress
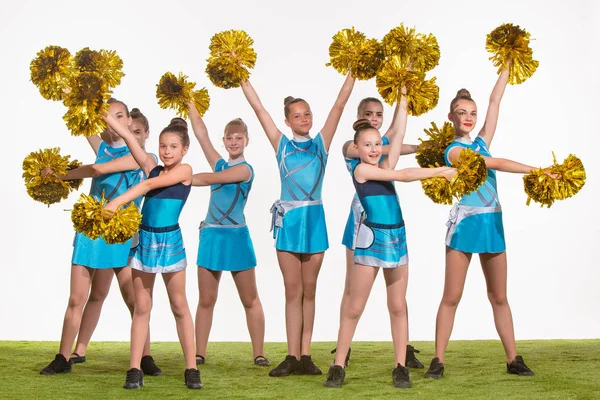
x: 381, y: 238
x: 356, y: 209
x: 225, y: 243
x: 97, y: 253
x: 475, y: 222
x: 158, y: 246
x: 298, y: 219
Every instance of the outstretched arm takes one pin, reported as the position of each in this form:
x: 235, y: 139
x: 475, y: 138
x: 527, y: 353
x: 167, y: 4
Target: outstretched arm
x: 126, y: 163
x: 498, y: 164
x: 333, y: 119
x: 365, y: 172
x: 239, y: 173
x: 491, y: 118
x: 264, y: 117
x: 144, y: 160
x: 201, y: 133
x: 400, y: 120
x: 180, y: 174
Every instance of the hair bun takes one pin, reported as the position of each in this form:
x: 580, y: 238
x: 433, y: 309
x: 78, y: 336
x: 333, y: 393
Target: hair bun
x: 135, y: 109
x: 288, y: 100
x: 361, y: 124
x: 178, y: 122
x: 463, y: 93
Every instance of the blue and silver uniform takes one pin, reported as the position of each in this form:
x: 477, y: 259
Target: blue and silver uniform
x: 381, y: 239
x: 356, y: 210
x: 97, y: 253
x: 475, y: 223
x: 225, y: 243
x: 159, y: 245
x: 298, y: 217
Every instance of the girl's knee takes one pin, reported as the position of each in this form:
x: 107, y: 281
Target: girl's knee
x: 497, y: 299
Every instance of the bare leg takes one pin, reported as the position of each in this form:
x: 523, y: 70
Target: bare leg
x: 245, y: 281
x: 291, y: 269
x: 349, y: 266
x: 363, y: 277
x: 143, y: 285
x: 208, y: 286
x: 457, y: 264
x: 396, y: 281
x: 494, y: 269
x: 175, y: 283
x: 81, y: 280
x: 91, y: 313
x: 311, y: 265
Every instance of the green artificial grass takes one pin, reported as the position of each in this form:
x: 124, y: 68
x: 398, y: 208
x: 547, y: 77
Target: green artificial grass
x: 565, y: 369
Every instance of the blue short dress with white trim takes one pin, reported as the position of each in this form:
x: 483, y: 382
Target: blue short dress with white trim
x: 298, y: 219
x: 97, y: 253
x: 356, y: 209
x: 475, y: 222
x: 381, y: 239
x: 158, y: 246
x: 225, y: 243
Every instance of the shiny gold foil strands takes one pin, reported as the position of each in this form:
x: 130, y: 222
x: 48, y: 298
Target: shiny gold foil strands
x: 422, y: 96
x: 88, y: 216
x: 122, y: 225
x: 430, y: 152
x: 51, y: 71
x: 415, y: 50
x: 353, y: 51
x: 510, y: 44
x: 231, y: 55
x: 175, y: 92
x: 569, y: 178
x: 47, y: 188
x: 105, y: 63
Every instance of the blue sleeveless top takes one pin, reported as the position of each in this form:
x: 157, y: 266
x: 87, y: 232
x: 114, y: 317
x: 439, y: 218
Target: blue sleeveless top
x: 162, y: 206
x: 117, y: 183
x: 227, y: 201
x: 380, y: 202
x: 487, y: 194
x: 301, y: 168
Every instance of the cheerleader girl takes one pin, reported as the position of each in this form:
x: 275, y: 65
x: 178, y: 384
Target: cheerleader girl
x: 225, y: 243
x: 371, y: 109
x: 94, y: 261
x: 158, y: 247
x: 381, y: 242
x: 298, y: 216
x: 475, y: 226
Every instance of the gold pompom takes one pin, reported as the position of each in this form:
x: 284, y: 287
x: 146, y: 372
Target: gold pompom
x: 231, y: 54
x: 105, y: 63
x: 438, y: 189
x: 201, y: 100
x: 88, y: 216
x: 47, y: 189
x: 510, y: 43
x: 430, y: 152
x: 51, y: 71
x: 471, y: 173
x: 352, y: 51
x: 74, y: 184
x: 419, y: 51
x: 87, y: 103
x: 421, y: 95
x: 544, y: 189
x: 175, y: 93
x: 122, y: 225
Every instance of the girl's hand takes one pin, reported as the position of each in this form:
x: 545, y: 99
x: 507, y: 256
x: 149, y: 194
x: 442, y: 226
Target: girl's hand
x: 449, y: 173
x: 110, y: 209
x: 47, y: 171
x: 551, y: 174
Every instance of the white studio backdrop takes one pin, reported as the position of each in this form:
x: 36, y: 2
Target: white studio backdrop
x: 553, y: 272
